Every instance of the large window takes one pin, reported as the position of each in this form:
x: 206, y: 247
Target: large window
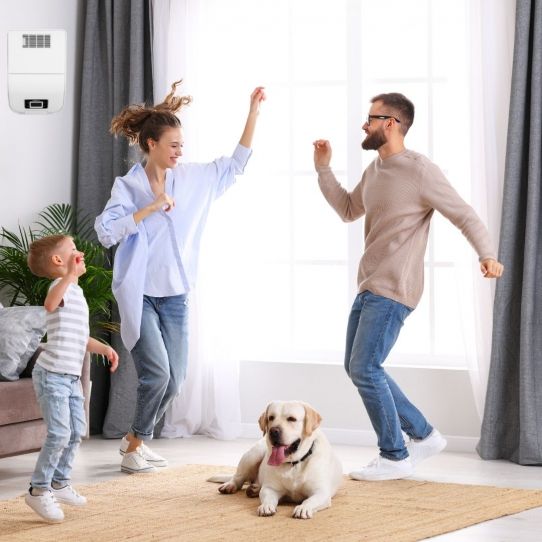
x: 321, y: 61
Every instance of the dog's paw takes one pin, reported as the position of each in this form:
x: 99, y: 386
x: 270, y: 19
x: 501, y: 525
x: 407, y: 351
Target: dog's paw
x: 227, y: 488
x: 302, y: 512
x: 266, y: 510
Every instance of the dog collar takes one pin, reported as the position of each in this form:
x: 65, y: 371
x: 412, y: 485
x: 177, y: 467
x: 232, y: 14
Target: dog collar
x: 303, y: 458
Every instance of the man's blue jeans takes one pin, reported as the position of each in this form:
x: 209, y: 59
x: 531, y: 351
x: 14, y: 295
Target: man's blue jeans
x: 373, y: 328
x: 60, y: 397
x: 160, y: 357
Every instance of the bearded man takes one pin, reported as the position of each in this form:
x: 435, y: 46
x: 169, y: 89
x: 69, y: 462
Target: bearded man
x: 398, y: 194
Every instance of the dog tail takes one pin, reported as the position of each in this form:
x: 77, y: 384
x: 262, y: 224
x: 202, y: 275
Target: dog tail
x: 219, y: 478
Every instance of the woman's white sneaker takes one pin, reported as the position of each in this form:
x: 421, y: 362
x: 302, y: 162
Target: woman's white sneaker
x: 151, y: 457
x: 418, y: 450
x: 381, y: 468
x: 45, y: 506
x: 68, y: 495
x: 135, y: 463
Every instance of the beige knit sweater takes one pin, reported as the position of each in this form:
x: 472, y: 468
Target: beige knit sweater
x: 398, y: 196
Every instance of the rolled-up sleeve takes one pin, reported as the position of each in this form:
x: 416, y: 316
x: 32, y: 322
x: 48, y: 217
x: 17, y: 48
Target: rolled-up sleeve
x: 223, y: 170
x: 116, y: 222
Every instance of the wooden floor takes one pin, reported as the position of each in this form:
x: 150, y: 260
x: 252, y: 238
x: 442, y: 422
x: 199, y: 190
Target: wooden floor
x: 98, y: 460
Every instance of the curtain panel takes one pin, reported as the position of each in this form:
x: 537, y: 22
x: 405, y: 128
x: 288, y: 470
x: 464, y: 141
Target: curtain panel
x: 116, y: 71
x: 512, y: 424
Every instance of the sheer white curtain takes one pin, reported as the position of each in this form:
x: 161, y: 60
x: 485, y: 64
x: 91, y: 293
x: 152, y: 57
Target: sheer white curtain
x: 209, y: 401
x: 491, y: 47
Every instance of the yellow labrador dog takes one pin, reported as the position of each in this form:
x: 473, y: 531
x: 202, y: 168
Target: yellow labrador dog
x: 293, y: 461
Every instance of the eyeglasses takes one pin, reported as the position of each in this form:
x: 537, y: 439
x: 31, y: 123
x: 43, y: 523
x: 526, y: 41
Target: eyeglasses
x: 383, y: 117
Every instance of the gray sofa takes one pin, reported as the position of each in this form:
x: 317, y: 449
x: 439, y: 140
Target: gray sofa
x: 22, y: 429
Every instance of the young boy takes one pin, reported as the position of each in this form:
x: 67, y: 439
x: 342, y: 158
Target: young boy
x: 56, y: 375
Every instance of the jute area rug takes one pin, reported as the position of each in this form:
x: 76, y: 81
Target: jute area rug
x: 178, y: 504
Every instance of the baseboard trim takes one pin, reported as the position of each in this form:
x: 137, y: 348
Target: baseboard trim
x: 361, y: 437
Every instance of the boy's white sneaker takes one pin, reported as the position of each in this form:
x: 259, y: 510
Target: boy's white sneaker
x: 68, y: 495
x: 45, y: 506
x: 151, y: 457
x: 135, y: 463
x: 381, y: 468
x: 418, y: 450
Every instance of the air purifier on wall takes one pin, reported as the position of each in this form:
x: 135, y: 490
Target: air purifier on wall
x: 36, y: 70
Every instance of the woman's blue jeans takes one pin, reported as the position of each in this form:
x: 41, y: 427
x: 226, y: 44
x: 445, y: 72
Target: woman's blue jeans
x: 160, y: 357
x: 373, y: 328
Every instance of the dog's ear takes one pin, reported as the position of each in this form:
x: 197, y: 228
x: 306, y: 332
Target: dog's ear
x: 312, y: 420
x: 263, y: 420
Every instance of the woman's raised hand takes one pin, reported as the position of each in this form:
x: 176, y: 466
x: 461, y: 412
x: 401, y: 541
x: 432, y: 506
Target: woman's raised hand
x: 256, y: 98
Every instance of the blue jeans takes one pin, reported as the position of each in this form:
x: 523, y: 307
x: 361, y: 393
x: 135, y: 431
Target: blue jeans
x: 373, y: 328
x: 60, y: 397
x: 160, y: 357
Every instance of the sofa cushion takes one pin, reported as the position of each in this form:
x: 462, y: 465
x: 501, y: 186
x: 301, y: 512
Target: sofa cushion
x: 18, y: 402
x: 22, y: 438
x: 21, y: 330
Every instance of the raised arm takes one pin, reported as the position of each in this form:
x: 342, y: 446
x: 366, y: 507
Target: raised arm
x: 257, y: 96
x: 55, y: 295
x: 348, y: 205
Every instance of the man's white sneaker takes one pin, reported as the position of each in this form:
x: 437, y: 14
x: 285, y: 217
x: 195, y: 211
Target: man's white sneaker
x: 45, y: 506
x: 384, y: 469
x: 418, y: 450
x: 134, y: 463
x: 151, y: 457
x: 68, y: 495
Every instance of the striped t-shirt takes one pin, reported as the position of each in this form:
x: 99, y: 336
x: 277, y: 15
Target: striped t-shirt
x: 67, y: 333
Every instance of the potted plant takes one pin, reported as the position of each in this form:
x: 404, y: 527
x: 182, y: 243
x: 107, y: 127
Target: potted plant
x: 21, y: 287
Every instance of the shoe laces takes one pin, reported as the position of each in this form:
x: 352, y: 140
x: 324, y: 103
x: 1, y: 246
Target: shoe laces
x: 375, y: 462
x: 73, y: 492
x: 139, y: 452
x: 49, y: 500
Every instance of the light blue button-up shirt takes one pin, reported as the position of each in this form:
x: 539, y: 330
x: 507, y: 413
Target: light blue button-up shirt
x: 141, y: 266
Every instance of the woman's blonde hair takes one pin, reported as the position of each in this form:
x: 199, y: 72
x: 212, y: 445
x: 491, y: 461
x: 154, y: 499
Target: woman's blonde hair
x: 139, y: 122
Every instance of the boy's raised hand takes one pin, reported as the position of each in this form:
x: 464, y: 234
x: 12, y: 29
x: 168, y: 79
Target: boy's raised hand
x: 76, y: 264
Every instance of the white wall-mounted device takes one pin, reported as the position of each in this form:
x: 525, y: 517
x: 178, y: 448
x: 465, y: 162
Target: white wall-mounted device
x: 36, y: 70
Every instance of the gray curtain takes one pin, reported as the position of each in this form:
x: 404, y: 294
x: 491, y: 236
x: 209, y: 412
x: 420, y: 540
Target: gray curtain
x: 116, y: 71
x: 512, y: 425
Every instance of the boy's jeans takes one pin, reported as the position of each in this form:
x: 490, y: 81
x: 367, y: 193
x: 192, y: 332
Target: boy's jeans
x: 61, y: 400
x: 373, y: 328
x: 160, y: 357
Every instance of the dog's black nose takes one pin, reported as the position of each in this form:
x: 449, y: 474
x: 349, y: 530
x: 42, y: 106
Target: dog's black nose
x: 274, y: 435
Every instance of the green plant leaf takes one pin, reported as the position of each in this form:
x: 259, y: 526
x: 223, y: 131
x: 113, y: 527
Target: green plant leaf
x: 21, y: 287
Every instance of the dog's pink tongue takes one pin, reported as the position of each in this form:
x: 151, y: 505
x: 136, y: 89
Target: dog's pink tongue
x: 277, y: 456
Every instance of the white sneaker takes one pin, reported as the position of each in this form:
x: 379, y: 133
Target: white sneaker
x: 45, y: 506
x: 418, y: 450
x: 68, y: 495
x: 151, y: 457
x: 135, y: 463
x: 384, y: 469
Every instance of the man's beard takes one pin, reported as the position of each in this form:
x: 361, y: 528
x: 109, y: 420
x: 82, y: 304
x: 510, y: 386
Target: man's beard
x: 373, y: 141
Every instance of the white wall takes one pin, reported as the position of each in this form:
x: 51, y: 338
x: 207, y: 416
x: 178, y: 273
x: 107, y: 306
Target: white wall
x: 38, y: 167
x: 444, y: 396
x: 37, y: 152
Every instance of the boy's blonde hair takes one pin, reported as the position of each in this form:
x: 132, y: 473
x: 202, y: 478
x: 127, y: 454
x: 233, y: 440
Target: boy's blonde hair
x: 40, y: 252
